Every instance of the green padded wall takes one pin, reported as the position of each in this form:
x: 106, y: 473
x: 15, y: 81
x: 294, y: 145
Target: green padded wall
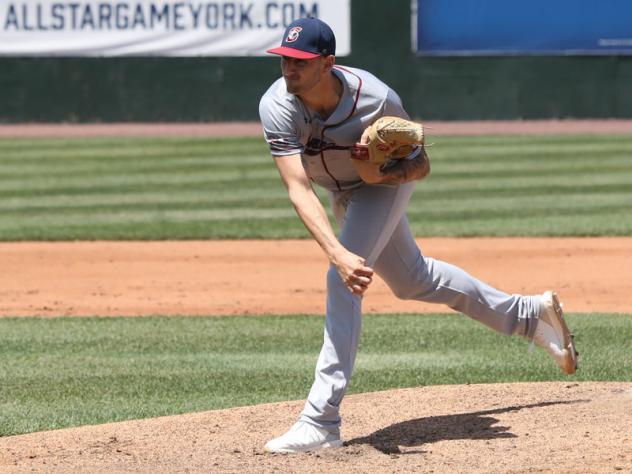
x: 215, y: 89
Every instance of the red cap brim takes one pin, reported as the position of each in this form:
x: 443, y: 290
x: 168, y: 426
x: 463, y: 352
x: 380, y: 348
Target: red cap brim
x: 292, y: 53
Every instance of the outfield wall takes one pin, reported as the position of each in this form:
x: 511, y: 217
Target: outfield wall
x: 219, y: 89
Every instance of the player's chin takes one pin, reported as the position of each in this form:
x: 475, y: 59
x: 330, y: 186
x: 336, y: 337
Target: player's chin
x: 292, y: 87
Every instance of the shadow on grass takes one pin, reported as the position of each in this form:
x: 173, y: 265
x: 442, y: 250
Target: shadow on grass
x: 415, y: 433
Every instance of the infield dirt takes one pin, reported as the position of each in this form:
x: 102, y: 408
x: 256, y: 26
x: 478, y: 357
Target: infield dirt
x: 285, y: 277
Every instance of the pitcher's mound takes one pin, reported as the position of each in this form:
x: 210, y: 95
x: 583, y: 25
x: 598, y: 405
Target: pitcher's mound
x: 522, y: 427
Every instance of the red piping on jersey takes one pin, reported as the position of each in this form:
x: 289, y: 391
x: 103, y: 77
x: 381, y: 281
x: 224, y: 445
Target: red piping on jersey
x: 322, y: 133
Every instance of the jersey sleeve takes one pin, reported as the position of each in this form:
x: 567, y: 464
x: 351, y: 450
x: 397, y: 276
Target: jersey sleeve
x: 280, y: 128
x: 393, y: 106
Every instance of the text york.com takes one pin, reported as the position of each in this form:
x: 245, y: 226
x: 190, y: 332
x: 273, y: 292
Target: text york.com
x: 76, y: 16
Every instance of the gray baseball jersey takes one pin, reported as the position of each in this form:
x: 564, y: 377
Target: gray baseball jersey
x: 373, y: 224
x: 291, y: 128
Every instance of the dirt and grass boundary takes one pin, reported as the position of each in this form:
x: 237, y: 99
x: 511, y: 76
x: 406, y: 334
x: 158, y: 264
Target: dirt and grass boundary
x: 232, y: 129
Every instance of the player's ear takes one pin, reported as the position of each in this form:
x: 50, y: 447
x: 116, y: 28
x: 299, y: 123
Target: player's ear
x: 329, y: 62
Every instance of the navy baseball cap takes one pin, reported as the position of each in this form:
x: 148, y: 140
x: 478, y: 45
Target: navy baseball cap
x: 307, y: 38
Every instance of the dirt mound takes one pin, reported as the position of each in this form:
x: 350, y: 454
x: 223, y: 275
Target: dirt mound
x: 523, y: 427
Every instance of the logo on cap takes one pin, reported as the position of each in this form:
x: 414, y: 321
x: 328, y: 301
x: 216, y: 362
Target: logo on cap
x: 292, y: 35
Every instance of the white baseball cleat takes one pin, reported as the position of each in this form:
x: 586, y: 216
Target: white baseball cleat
x: 303, y: 437
x: 552, y: 333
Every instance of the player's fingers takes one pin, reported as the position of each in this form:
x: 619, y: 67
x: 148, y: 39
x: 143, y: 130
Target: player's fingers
x: 364, y: 140
x: 357, y: 289
x: 361, y: 280
x: 364, y: 271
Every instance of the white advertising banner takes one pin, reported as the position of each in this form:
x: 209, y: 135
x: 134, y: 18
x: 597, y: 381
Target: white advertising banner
x: 159, y: 27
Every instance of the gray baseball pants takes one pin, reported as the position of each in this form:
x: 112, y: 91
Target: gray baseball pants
x: 373, y: 224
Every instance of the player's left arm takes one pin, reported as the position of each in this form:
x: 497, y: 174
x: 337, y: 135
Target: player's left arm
x: 394, y: 171
x: 403, y: 171
x: 399, y: 171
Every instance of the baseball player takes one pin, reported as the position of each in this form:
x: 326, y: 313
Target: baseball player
x: 313, y: 118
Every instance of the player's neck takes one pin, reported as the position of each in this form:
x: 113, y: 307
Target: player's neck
x: 325, y: 97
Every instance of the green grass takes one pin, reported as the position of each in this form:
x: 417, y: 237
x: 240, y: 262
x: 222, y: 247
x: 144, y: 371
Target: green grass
x: 64, y: 372
x: 200, y: 188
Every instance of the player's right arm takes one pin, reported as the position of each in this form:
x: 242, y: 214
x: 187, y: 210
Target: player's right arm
x: 351, y: 268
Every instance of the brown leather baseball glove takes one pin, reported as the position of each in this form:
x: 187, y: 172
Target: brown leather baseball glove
x: 388, y: 138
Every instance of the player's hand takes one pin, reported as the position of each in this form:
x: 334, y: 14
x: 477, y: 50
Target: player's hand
x: 353, y: 270
x: 364, y: 139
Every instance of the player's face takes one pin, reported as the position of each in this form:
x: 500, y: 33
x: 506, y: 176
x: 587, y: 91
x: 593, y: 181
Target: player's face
x: 301, y: 75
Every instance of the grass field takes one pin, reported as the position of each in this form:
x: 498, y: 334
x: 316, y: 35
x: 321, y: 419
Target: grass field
x: 65, y: 372
x: 199, y: 188
x: 72, y: 371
